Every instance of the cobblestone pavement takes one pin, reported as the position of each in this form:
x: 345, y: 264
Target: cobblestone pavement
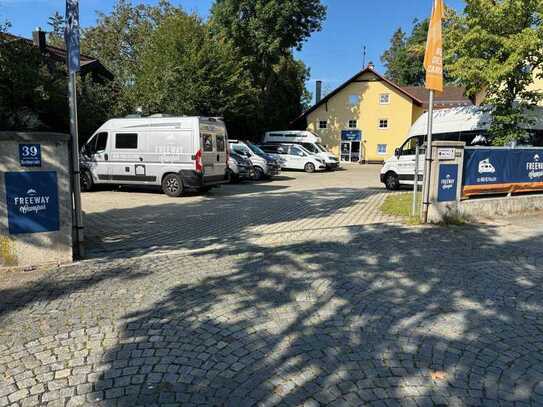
x: 139, y: 222
x: 379, y: 314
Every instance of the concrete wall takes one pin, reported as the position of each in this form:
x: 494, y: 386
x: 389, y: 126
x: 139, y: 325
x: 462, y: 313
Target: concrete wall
x: 400, y: 112
x: 33, y: 249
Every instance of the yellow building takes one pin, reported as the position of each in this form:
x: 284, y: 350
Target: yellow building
x: 365, y: 118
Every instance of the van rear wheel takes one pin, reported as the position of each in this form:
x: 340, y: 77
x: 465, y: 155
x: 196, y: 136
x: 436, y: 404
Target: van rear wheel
x: 309, y: 167
x: 392, y: 182
x: 172, y: 185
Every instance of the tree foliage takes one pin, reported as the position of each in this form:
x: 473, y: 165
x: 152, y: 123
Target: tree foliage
x: 183, y: 70
x: 497, y: 47
x: 405, y: 56
x: 265, y: 32
x: 55, y: 37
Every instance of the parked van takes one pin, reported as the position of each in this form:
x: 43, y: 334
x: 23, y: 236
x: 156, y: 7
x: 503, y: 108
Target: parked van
x: 469, y: 124
x: 308, y: 140
x: 177, y: 153
x: 295, y: 157
x: 265, y: 166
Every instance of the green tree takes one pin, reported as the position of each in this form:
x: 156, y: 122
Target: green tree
x: 497, y: 47
x: 56, y: 36
x: 183, y: 70
x: 265, y: 32
x: 119, y: 38
x: 404, y: 58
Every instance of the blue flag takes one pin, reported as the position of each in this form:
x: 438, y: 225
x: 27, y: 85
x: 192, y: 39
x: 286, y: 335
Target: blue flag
x: 71, y: 35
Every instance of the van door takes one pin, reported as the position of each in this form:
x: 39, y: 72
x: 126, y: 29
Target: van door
x: 406, y: 160
x: 296, y: 158
x: 125, y: 159
x: 95, y: 157
x: 214, y: 155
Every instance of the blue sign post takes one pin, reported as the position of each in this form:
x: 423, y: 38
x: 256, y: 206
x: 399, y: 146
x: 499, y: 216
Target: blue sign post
x: 32, y: 202
x: 448, y: 183
x: 351, y: 135
x: 30, y: 155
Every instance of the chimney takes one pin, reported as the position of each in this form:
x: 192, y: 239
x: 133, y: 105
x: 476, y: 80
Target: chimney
x: 318, y: 91
x: 39, y: 39
x: 371, y: 66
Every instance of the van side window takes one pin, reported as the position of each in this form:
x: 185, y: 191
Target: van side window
x: 126, y: 141
x: 101, y: 142
x: 208, y: 142
x: 221, y: 144
x: 294, y: 150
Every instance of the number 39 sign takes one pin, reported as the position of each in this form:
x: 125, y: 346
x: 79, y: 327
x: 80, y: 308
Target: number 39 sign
x: 30, y: 155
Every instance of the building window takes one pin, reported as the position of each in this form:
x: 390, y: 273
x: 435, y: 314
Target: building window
x: 381, y: 148
x: 383, y: 124
x: 384, y: 99
x: 323, y: 124
x: 353, y: 124
x: 354, y: 100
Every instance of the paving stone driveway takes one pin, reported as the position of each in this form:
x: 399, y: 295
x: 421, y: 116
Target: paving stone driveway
x: 377, y: 314
x: 139, y: 222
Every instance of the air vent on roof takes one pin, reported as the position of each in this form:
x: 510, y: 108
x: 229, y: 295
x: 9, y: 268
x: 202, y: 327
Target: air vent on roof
x: 158, y: 115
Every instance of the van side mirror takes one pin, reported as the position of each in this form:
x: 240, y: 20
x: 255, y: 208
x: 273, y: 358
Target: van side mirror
x: 397, y: 152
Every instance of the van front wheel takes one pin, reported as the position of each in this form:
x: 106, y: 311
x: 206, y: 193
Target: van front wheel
x: 392, y: 182
x: 86, y: 181
x: 172, y: 185
x: 309, y: 167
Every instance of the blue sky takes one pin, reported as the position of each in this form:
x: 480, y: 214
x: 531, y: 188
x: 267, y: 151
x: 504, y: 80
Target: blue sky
x: 334, y: 54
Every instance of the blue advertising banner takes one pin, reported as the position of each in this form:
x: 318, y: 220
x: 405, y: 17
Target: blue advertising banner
x: 32, y: 202
x: 30, y: 155
x: 486, y: 167
x: 351, y: 135
x: 71, y: 35
x: 448, y: 182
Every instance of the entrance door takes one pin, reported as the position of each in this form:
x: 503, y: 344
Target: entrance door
x: 355, y: 151
x: 345, y: 151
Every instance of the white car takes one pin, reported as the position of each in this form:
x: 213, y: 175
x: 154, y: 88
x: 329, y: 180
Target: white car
x: 265, y: 166
x: 307, y: 140
x: 295, y: 157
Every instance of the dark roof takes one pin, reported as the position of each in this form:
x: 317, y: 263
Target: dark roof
x: 368, y: 69
x: 452, y: 96
x: 59, y: 55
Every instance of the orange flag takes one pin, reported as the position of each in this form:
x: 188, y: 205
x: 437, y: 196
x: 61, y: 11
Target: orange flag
x: 433, y: 59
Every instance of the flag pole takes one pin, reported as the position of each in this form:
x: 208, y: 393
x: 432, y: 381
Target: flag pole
x: 428, y: 160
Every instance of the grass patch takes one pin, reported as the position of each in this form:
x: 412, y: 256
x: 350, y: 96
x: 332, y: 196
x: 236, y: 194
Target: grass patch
x: 400, y: 205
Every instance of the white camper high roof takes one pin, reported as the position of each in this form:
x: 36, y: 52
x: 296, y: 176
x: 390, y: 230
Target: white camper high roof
x: 464, y: 119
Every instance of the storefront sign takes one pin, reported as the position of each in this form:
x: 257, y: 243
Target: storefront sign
x: 30, y: 155
x: 502, y: 170
x: 351, y: 135
x: 448, y: 183
x: 32, y: 202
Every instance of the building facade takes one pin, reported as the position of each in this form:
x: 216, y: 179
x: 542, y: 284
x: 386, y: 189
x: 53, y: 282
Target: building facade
x: 368, y: 117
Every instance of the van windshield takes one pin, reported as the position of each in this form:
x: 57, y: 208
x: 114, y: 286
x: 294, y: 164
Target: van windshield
x: 322, y: 148
x: 256, y: 150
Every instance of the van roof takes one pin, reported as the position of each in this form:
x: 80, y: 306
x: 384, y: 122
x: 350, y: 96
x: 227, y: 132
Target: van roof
x: 138, y: 122
x: 464, y: 119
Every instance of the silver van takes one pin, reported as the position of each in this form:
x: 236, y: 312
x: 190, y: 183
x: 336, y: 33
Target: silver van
x: 176, y: 153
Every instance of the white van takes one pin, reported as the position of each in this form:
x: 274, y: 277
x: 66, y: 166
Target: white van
x: 265, y: 166
x: 308, y: 140
x: 468, y: 124
x: 295, y: 157
x: 177, y: 153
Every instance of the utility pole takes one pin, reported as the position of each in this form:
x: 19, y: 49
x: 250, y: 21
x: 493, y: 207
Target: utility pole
x: 73, y: 61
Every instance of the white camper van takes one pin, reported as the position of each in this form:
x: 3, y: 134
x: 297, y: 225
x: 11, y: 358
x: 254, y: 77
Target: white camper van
x: 308, y: 140
x: 468, y: 124
x: 177, y: 153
